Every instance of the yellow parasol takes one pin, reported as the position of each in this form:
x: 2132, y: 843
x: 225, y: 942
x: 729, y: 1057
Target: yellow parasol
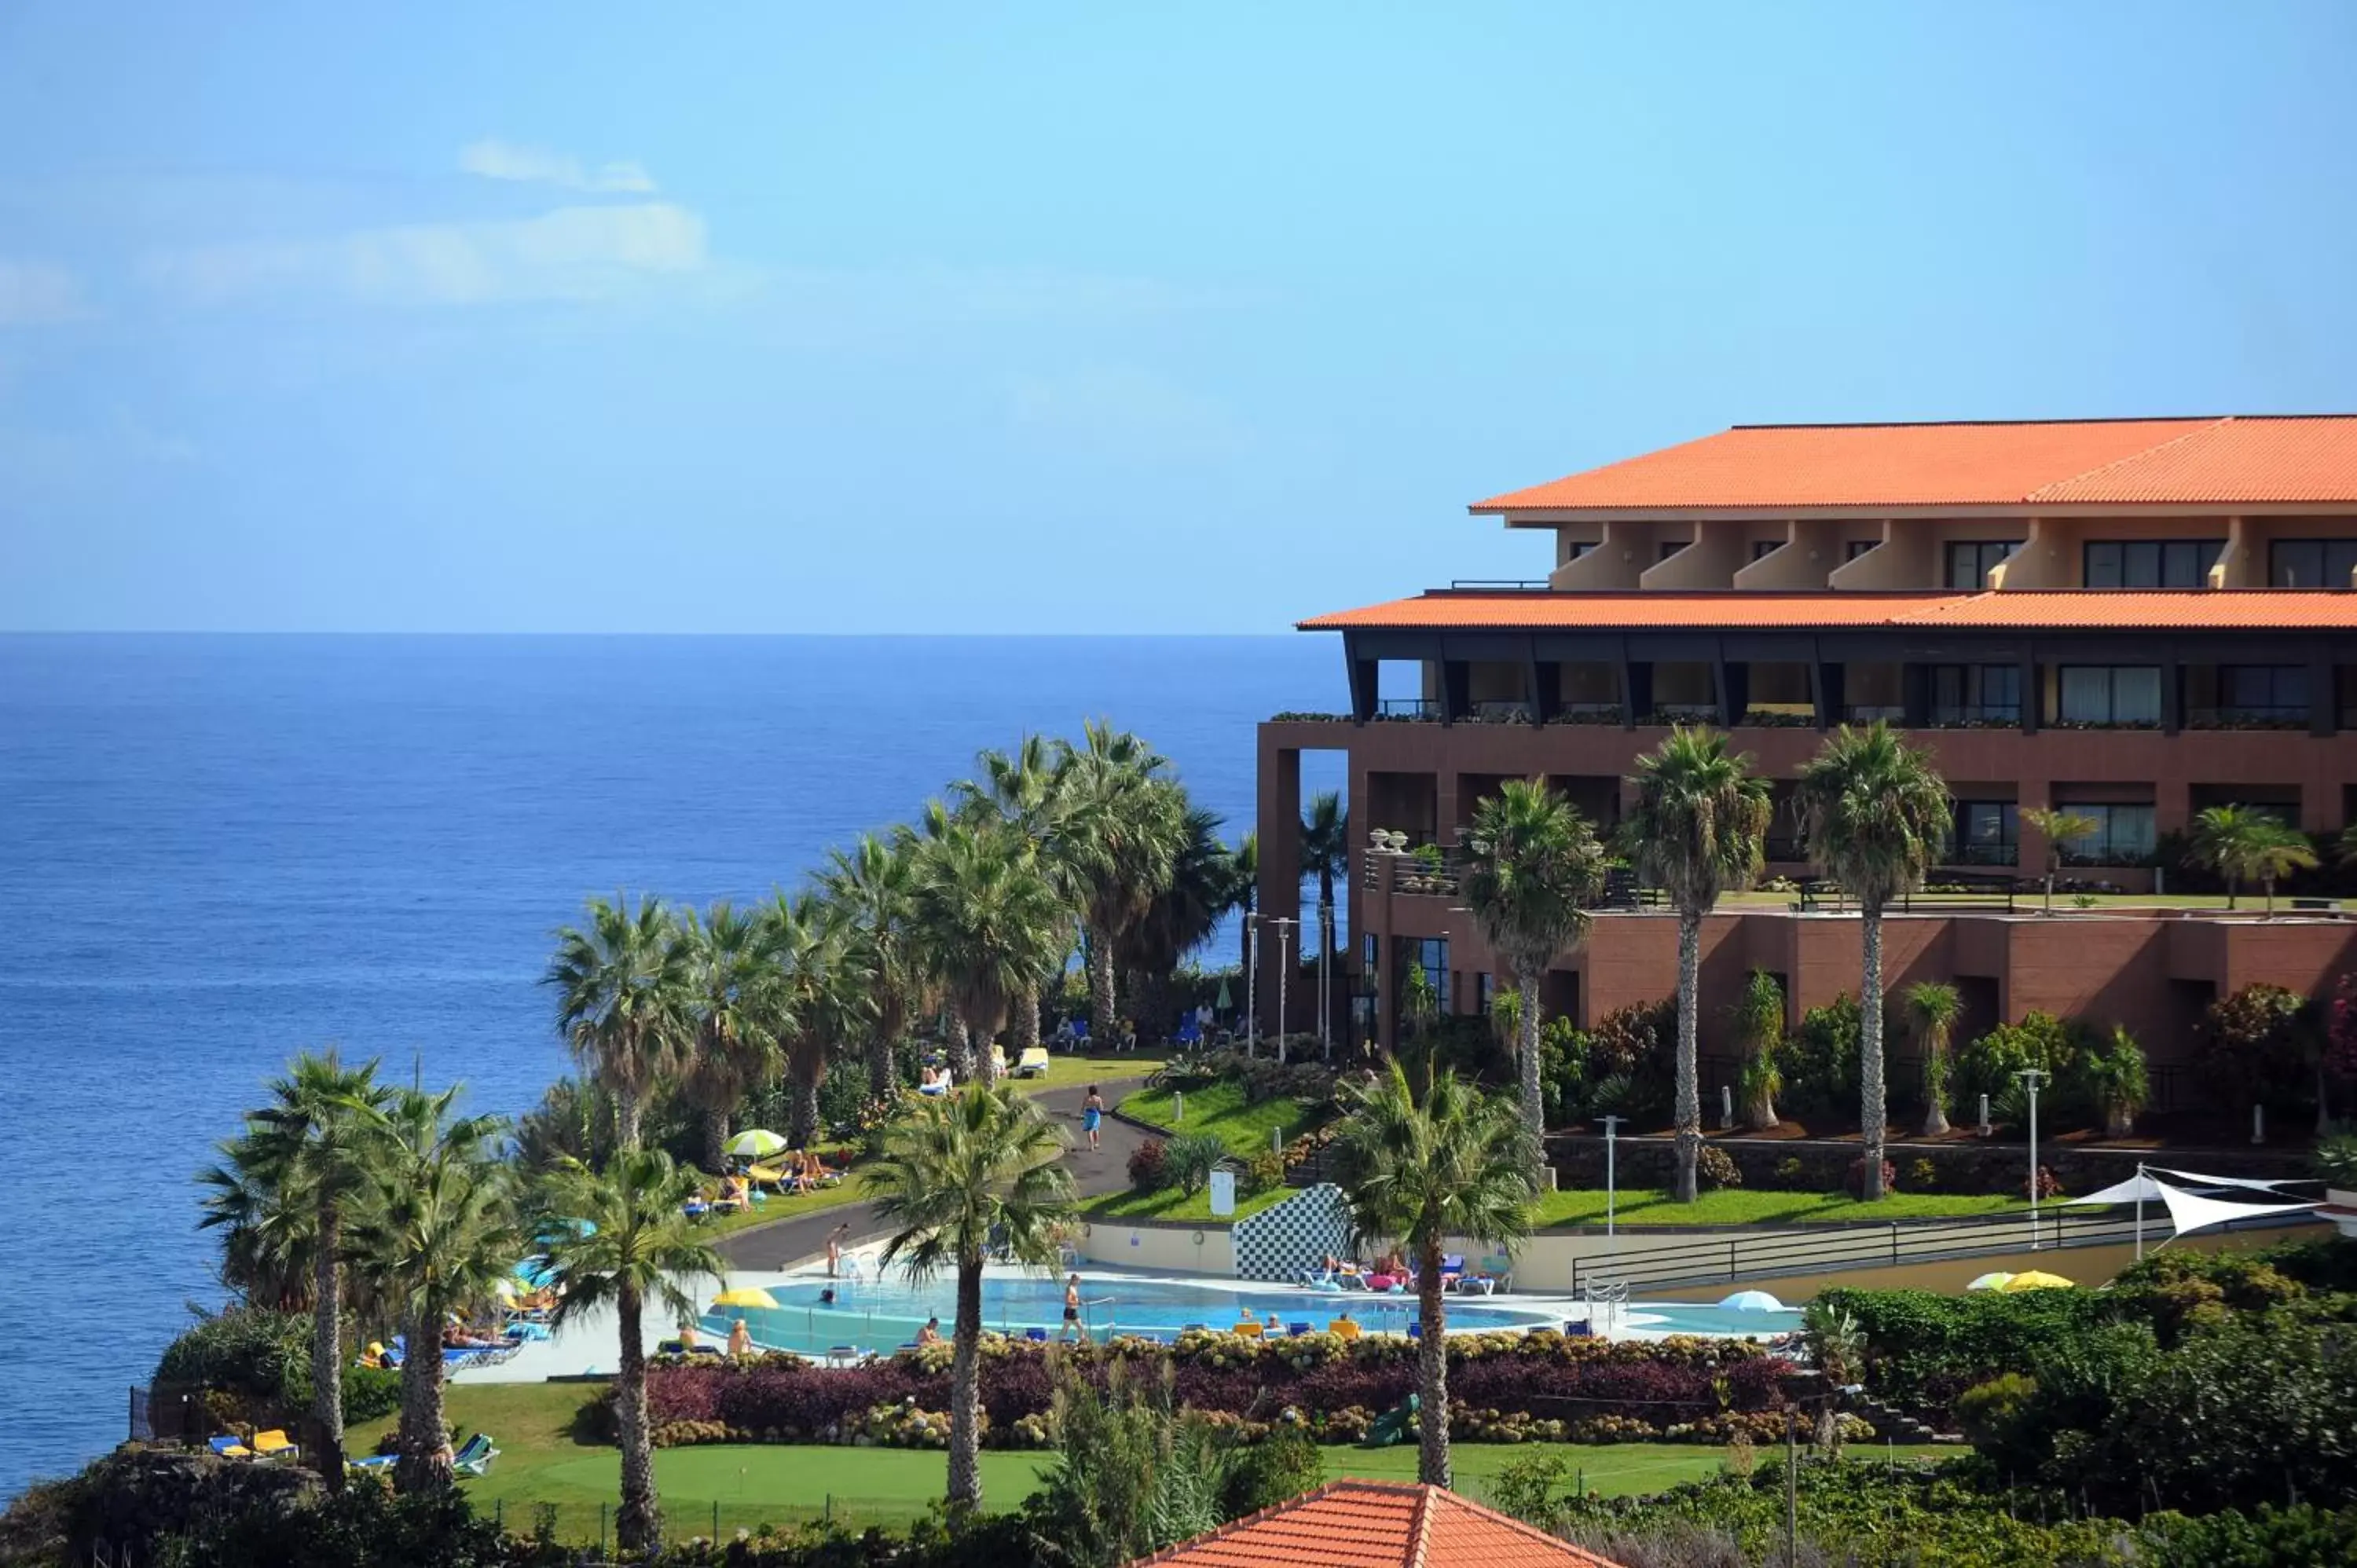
x: 1997, y: 1281
x: 2037, y: 1279
x: 754, y: 1295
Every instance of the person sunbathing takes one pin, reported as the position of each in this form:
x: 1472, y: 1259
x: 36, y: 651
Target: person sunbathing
x: 740, y: 1339
x: 455, y: 1337
x: 930, y: 1333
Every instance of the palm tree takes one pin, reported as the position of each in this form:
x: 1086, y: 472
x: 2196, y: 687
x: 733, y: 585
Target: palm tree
x: 1243, y: 895
x: 1934, y: 1006
x: 1533, y: 864
x: 1759, y: 1020
x: 1124, y: 820
x: 312, y: 1138
x: 1876, y: 816
x: 732, y: 1001
x: 871, y: 886
x: 1178, y: 920
x: 2060, y: 829
x: 1023, y: 790
x: 269, y: 1228
x: 622, y: 1002
x: 1454, y: 1165
x: 2246, y: 844
x: 824, y: 996
x: 959, y: 1176
x: 991, y: 926
x: 438, y: 1233
x: 620, y: 1239
x: 1325, y: 849
x: 2113, y: 1076
x: 1697, y: 830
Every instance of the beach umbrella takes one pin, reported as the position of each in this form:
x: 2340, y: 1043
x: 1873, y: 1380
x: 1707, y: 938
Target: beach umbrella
x: 755, y: 1144
x: 1997, y: 1281
x: 745, y: 1295
x: 1752, y: 1301
x: 1226, y: 1002
x: 534, y: 1271
x: 2037, y: 1279
x: 505, y: 1290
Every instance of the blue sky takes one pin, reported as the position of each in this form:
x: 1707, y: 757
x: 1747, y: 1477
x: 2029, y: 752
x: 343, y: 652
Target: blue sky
x: 1088, y: 318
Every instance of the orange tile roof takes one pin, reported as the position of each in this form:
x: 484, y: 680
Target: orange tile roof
x: 2061, y: 609
x: 2247, y: 458
x: 1375, y: 1524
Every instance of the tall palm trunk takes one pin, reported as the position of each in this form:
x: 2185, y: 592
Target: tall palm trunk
x: 965, y: 1388
x: 1527, y: 977
x: 1023, y: 1020
x: 984, y: 1037
x: 961, y: 1049
x: 327, y: 1350
x: 425, y: 1441
x: 715, y: 1137
x: 1689, y: 1101
x: 639, y: 1525
x: 1432, y: 1466
x: 1935, y: 1101
x: 627, y: 1110
x: 1872, y: 1108
x: 803, y: 1129
x: 879, y: 1067
x: 1104, y: 1019
x: 1326, y: 924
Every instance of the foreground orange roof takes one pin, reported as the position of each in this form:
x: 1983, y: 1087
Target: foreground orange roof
x: 2252, y: 460
x: 1374, y: 1524
x: 2061, y: 609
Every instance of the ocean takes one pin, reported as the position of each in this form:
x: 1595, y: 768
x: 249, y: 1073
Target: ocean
x: 216, y: 852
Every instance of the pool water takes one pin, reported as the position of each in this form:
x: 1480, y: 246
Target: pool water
x: 881, y: 1314
x: 1687, y: 1318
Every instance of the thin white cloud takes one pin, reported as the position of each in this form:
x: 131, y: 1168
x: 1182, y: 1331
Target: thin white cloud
x: 570, y: 254
x: 494, y: 159
x: 35, y: 294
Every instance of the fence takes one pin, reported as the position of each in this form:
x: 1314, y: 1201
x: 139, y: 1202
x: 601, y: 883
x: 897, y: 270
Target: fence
x: 579, y: 1523
x: 1706, y: 1260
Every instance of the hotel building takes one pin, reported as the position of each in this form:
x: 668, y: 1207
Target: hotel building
x: 2132, y: 618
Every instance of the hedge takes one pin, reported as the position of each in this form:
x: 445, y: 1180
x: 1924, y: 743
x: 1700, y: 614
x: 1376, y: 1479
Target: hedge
x: 1513, y: 1383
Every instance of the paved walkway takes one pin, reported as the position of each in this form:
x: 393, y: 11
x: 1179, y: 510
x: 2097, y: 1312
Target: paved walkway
x: 791, y: 1241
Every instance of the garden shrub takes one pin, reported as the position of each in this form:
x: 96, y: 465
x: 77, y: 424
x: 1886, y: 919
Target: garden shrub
x: 1791, y: 1172
x: 1855, y: 1180
x: 1985, y: 1413
x: 1282, y: 1466
x: 1190, y: 1158
x: 2259, y: 1045
x: 1149, y: 1166
x: 1715, y: 1168
x: 1922, y: 1176
x: 1564, y: 1052
x: 1638, y: 1044
x: 1989, y: 1065
x: 1820, y: 1061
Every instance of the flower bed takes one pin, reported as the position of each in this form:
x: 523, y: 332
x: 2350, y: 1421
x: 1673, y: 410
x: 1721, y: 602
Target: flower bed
x: 1521, y: 1387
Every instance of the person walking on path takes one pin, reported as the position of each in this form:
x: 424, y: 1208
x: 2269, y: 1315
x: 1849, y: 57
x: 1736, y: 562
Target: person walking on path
x: 1093, y: 1116
x: 1071, y: 1303
x: 835, y: 1238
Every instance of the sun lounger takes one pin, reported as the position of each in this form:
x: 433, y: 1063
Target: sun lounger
x: 844, y: 1354
x: 275, y: 1445
x: 476, y: 1457
x: 1296, y: 1329
x: 1247, y: 1329
x: 373, y: 1462
x: 1032, y: 1063
x: 1344, y: 1329
x: 231, y: 1447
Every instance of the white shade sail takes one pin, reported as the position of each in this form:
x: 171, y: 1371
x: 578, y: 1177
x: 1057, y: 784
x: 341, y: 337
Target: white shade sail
x: 2189, y: 1211
x: 2195, y: 1178
x: 2134, y: 1189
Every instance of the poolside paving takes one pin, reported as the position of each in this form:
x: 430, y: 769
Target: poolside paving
x: 774, y: 1247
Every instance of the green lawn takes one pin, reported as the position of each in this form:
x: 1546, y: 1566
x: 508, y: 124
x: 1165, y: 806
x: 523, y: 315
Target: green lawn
x: 773, y: 1207
x: 1073, y: 1071
x: 540, y: 1468
x: 1169, y: 1204
x: 1734, y: 1206
x: 1219, y: 1108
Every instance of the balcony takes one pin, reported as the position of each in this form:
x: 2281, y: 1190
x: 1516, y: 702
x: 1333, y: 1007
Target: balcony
x: 2280, y: 716
x: 1984, y: 854
x: 1977, y: 715
x: 1408, y: 708
x: 1588, y: 714
x: 1683, y: 713
x: 1513, y: 712
x: 1867, y: 712
x: 1427, y: 873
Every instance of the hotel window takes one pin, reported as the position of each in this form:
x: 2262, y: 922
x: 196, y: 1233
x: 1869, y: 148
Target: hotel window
x: 2312, y: 563
x: 1761, y: 548
x: 1977, y: 694
x: 2150, y: 563
x: 1575, y: 551
x: 1988, y: 833
x: 1672, y: 546
x: 2123, y: 694
x: 1857, y: 547
x: 2262, y: 691
x: 1432, y: 957
x: 1487, y: 989
x: 2123, y: 835
x: 1971, y: 560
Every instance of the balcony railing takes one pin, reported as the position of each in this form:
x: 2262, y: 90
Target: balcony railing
x: 1513, y: 712
x: 1683, y: 713
x: 1977, y: 716
x: 1867, y: 713
x: 1408, y: 708
x: 2105, y: 854
x: 1435, y: 876
x: 1588, y: 714
x: 1984, y: 854
x: 2283, y: 715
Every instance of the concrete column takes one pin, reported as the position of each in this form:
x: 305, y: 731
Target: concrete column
x: 1280, y: 862
x: 2172, y: 805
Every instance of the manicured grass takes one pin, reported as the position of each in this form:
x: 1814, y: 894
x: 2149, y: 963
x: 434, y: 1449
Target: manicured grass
x: 1734, y: 1206
x: 1219, y: 1108
x: 1075, y: 1071
x: 773, y: 1207
x: 539, y: 1463
x: 1169, y: 1204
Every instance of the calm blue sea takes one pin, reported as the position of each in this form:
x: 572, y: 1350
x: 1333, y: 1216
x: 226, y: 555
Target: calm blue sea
x: 216, y: 852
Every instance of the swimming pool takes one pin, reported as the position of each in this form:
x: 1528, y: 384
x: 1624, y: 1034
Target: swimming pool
x: 1691, y: 1318
x: 881, y: 1314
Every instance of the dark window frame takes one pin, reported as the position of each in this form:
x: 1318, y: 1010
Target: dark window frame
x: 2323, y: 569
x: 2148, y: 563
x: 1983, y: 557
x: 2110, y: 696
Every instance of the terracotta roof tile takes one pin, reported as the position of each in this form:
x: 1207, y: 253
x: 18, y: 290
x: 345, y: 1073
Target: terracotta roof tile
x: 2120, y: 462
x: 2167, y: 609
x: 1373, y: 1524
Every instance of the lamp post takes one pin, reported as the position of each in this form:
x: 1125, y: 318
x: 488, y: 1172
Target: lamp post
x: 1611, y: 1135
x: 1285, y: 925
x: 2030, y: 1078
x: 1252, y: 982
